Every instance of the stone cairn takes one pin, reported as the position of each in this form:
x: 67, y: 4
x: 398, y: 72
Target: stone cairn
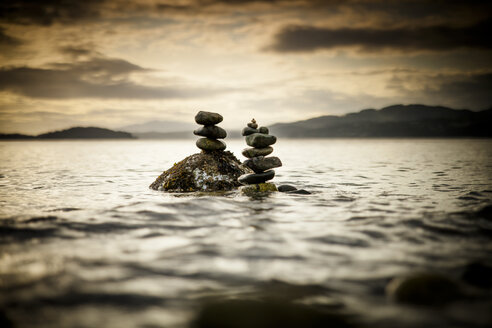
x: 210, y: 131
x: 260, y: 141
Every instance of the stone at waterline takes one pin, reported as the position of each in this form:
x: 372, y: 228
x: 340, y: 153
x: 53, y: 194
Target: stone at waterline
x: 259, y: 140
x: 253, y: 152
x: 255, y: 178
x: 424, y: 289
x: 247, y: 131
x: 263, y: 129
x: 210, y: 144
x: 299, y: 192
x: 261, y: 163
x: 259, y: 187
x: 206, y: 171
x: 211, y: 131
x: 286, y: 188
x: 208, y: 118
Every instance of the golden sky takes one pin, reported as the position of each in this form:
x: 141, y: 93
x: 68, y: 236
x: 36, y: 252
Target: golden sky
x: 111, y: 63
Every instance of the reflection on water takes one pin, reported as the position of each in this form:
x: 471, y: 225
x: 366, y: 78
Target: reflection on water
x: 84, y: 242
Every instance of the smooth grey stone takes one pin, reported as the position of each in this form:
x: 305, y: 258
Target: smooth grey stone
x: 253, y: 125
x: 253, y: 152
x: 299, y: 192
x: 254, y: 178
x: 210, y: 144
x: 261, y: 163
x: 259, y: 140
x: 263, y: 129
x: 211, y: 131
x: 284, y: 188
x: 208, y: 118
x: 247, y: 131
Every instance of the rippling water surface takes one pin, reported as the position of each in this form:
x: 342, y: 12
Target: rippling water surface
x: 84, y: 242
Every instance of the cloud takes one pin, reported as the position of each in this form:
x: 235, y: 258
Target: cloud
x: 304, y: 38
x: 7, y: 40
x: 47, y: 12
x: 94, y: 78
x: 471, y: 91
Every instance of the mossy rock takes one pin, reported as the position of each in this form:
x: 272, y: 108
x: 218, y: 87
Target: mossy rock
x: 260, y: 187
x: 205, y: 171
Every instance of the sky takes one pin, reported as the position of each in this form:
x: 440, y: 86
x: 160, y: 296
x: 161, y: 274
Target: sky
x: 111, y: 63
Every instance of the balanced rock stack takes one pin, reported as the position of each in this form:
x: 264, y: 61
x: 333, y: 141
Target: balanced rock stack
x: 212, y: 169
x: 210, y: 131
x: 260, y: 141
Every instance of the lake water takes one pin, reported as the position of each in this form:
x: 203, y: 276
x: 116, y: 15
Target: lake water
x: 85, y: 243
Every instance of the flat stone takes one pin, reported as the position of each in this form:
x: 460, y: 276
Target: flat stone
x: 255, y: 178
x: 259, y: 140
x: 208, y: 118
x: 211, y: 131
x: 247, y: 131
x: 253, y: 152
x: 263, y: 129
x: 253, y: 125
x: 210, y: 144
x: 261, y: 163
x: 260, y: 187
x: 285, y: 188
x: 299, y: 192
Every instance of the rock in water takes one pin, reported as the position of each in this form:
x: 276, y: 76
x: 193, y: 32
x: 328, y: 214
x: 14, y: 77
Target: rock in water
x: 255, y: 178
x: 253, y: 152
x: 260, y: 187
x: 210, y: 144
x: 214, y: 171
x: 211, y: 131
x: 260, y: 140
x: 260, y: 163
x: 208, y: 118
x: 286, y: 188
x: 424, y: 289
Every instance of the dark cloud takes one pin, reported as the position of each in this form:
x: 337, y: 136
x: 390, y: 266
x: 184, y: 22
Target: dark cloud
x: 95, y: 78
x: 470, y: 91
x: 7, y: 40
x: 47, y: 12
x: 434, y: 38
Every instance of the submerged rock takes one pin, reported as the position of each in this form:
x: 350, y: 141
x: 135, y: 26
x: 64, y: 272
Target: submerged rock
x: 424, y: 289
x: 206, y: 171
x: 286, y: 188
x: 260, y: 187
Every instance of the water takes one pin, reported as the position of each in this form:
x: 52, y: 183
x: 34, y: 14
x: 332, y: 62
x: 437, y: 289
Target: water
x: 84, y: 242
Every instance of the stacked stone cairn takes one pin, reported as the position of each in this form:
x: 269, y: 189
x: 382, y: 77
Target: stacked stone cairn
x: 210, y: 132
x: 260, y: 142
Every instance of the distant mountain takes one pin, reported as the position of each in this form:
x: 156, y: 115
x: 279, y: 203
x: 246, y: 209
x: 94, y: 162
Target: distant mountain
x: 73, y: 133
x: 181, y: 135
x: 15, y: 136
x: 393, y: 121
x: 159, y: 126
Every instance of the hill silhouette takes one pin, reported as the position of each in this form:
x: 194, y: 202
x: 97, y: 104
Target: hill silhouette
x: 73, y: 133
x: 393, y: 121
